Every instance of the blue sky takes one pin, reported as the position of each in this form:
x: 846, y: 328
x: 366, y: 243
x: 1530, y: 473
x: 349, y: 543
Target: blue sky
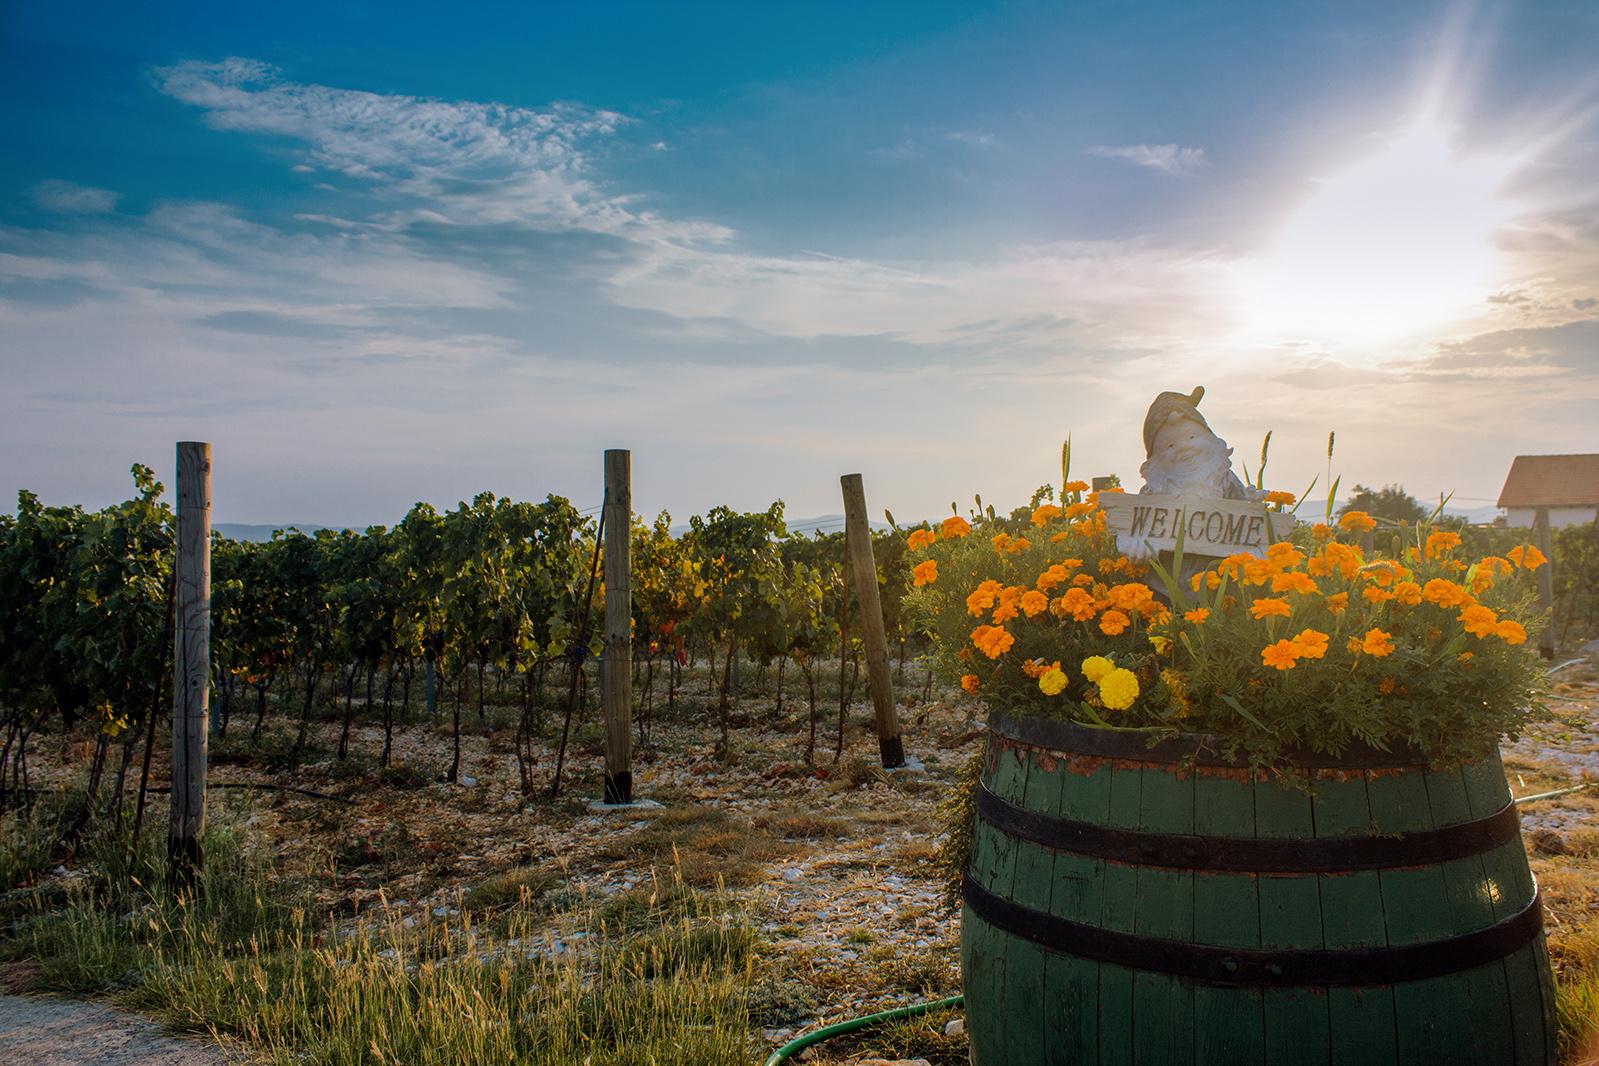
x: 377, y: 253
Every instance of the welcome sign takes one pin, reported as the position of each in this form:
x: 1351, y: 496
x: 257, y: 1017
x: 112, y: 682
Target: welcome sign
x: 1209, y: 526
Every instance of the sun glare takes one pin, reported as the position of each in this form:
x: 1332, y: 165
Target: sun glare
x: 1390, y: 246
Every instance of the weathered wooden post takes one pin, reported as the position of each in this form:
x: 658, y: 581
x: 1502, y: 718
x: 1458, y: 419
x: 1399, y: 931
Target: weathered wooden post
x: 191, y: 661
x: 858, y: 535
x: 617, y: 678
x: 1546, y: 581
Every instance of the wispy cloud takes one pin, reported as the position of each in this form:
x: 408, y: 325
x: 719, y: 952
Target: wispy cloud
x: 1171, y: 159
x: 973, y: 139
x: 68, y: 198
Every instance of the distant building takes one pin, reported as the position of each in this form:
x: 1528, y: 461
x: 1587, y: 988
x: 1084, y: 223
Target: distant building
x: 1566, y: 484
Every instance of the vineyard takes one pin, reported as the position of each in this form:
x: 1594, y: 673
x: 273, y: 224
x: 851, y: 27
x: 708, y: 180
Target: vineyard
x: 405, y: 740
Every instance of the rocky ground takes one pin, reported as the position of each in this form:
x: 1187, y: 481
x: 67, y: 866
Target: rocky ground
x: 838, y: 863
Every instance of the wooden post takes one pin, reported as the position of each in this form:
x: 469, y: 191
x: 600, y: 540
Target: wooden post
x: 1546, y: 581
x: 858, y: 535
x: 617, y: 677
x: 191, y: 662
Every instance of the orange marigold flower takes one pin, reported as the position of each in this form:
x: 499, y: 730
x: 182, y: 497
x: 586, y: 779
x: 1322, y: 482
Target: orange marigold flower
x: 1132, y: 596
x: 1004, y: 613
x: 1384, y: 572
x: 1197, y: 615
x: 920, y: 538
x: 1408, y: 593
x: 1356, y: 522
x: 969, y: 682
x: 1020, y: 544
x: 1444, y: 593
x: 1077, y: 603
x: 1210, y: 579
x: 1293, y: 581
x: 1337, y: 602
x: 1074, y: 486
x: 1285, y: 499
x: 1083, y: 579
x: 1000, y: 541
x: 1321, y: 531
x: 1479, y: 621
x: 1057, y: 537
x: 982, y: 597
x: 1319, y: 566
x: 1441, y: 543
x: 1045, y: 513
x: 993, y: 641
x: 1268, y: 608
x: 1526, y: 556
x: 1283, y: 554
x: 925, y: 573
x: 1076, y: 510
x: 1510, y: 632
x: 1386, y: 686
x: 1258, y: 572
x: 1281, y: 655
x: 1034, y: 603
x: 1377, y: 643
x: 1311, y: 643
x: 954, y: 526
x: 1376, y: 595
x: 1113, y: 622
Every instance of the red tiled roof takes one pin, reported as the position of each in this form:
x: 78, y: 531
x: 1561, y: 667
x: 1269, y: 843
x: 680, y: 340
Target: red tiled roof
x: 1552, y: 481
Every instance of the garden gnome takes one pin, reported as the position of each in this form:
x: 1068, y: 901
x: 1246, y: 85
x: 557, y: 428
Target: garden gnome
x: 1184, y: 457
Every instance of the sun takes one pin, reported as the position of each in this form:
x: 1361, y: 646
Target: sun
x: 1390, y: 247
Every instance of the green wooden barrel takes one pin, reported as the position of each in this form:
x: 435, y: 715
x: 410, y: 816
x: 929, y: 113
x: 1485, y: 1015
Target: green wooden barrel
x: 1158, y: 905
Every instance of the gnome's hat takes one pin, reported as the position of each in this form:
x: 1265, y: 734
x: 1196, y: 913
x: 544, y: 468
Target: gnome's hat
x: 1169, y: 405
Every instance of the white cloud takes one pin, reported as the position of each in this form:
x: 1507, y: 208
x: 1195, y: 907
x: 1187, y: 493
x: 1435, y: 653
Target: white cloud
x: 1171, y: 159
x: 68, y: 198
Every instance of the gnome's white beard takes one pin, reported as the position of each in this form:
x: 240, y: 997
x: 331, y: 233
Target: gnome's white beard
x: 1206, y: 472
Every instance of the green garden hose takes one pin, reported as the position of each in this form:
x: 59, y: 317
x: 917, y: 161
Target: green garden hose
x: 827, y: 1032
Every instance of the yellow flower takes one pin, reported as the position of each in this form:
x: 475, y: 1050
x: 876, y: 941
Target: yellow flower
x: 1357, y: 522
x: 1266, y: 608
x: 1044, y: 514
x: 925, y: 573
x: 1311, y: 644
x: 1033, y: 603
x: 1113, y: 622
x: 1095, y: 667
x: 1118, y: 688
x: 1162, y: 644
x: 969, y: 682
x: 1479, y: 621
x: 1197, y: 615
x: 1053, y: 682
x: 1282, y: 655
x: 954, y: 526
x: 1377, y: 643
x: 1510, y: 632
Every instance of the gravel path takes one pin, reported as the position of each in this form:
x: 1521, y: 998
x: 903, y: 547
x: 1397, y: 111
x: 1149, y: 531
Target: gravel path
x: 61, y: 1032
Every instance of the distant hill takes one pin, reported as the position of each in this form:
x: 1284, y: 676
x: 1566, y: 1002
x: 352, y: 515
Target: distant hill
x: 242, y: 531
